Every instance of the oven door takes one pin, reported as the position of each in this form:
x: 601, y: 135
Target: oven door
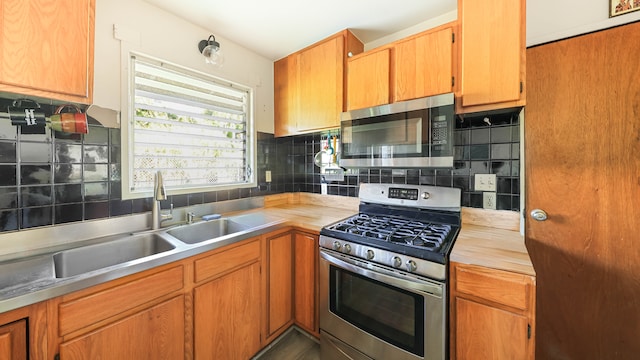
x: 379, y: 312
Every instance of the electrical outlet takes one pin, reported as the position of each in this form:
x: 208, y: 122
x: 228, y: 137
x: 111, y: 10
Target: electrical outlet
x: 485, y: 182
x: 323, y: 188
x: 268, y: 176
x: 489, y: 200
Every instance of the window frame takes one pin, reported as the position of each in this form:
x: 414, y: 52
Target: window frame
x: 128, y: 117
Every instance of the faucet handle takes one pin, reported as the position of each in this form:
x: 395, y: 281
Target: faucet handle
x: 190, y: 216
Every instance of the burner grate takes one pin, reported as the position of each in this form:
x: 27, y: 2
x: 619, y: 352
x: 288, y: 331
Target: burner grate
x: 423, y: 235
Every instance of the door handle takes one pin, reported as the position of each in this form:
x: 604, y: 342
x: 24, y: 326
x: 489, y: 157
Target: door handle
x: 539, y: 215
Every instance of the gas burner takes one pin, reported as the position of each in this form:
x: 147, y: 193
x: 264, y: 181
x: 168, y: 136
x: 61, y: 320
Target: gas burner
x: 412, y: 233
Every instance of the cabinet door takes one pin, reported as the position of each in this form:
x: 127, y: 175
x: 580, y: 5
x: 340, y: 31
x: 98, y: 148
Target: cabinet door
x: 227, y: 315
x: 280, y: 282
x: 492, y: 50
x: 154, y: 333
x: 13, y: 341
x: 368, y: 80
x: 46, y: 48
x: 321, y: 85
x: 285, y: 107
x: 484, y: 332
x: 424, y: 65
x: 306, y: 275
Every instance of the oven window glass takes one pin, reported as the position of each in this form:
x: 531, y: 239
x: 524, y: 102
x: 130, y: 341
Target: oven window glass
x: 391, y: 314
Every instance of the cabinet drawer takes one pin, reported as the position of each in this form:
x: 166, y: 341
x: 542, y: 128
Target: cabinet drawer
x: 224, y: 261
x: 77, y: 314
x: 502, y: 287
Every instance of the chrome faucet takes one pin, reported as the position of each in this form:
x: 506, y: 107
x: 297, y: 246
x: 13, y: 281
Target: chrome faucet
x: 159, y: 194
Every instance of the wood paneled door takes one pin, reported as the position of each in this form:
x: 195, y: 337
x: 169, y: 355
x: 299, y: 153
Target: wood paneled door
x: 582, y: 145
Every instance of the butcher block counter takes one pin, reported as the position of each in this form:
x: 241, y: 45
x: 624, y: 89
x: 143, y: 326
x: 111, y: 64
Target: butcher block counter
x: 488, y: 238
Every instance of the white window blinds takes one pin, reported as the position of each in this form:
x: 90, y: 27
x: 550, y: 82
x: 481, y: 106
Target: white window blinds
x: 192, y: 127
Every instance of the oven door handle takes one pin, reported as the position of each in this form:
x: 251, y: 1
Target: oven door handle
x: 384, y: 275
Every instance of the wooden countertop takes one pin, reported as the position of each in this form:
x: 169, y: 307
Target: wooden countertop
x: 487, y: 238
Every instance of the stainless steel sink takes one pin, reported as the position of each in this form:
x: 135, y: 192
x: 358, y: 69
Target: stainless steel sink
x: 25, y: 271
x: 207, y: 230
x: 92, y: 257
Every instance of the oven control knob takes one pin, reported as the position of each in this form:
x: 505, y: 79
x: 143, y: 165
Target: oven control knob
x: 346, y: 248
x: 397, y: 262
x: 336, y: 246
x: 411, y: 266
x: 370, y: 254
x: 426, y: 195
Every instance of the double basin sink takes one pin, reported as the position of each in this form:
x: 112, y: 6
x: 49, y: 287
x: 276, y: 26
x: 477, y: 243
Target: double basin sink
x: 128, y: 249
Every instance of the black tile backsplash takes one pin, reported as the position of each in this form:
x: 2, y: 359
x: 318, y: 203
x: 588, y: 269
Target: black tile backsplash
x: 484, y: 144
x: 56, y: 178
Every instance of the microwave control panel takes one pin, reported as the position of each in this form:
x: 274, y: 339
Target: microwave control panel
x: 439, y: 130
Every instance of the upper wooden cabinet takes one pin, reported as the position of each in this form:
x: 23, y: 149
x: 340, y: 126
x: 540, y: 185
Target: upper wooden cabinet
x: 309, y: 85
x: 424, y: 64
x: 46, y: 48
x: 492, y: 54
x: 369, y: 79
x: 414, y: 67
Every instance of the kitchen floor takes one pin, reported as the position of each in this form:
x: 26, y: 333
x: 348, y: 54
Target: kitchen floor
x: 294, y: 345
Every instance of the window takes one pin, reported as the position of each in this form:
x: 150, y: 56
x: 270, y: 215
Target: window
x: 195, y: 128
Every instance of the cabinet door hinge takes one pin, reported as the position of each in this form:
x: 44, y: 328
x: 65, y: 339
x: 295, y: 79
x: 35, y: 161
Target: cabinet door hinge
x: 453, y: 37
x: 528, y: 331
x: 521, y: 87
x: 453, y: 81
x: 56, y: 357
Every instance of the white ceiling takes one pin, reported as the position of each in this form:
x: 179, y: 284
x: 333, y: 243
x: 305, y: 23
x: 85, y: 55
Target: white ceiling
x: 276, y: 28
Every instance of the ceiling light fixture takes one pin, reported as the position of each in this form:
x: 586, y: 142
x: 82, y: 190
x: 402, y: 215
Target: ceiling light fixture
x: 210, y: 49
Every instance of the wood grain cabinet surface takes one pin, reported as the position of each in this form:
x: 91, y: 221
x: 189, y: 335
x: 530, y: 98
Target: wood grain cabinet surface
x: 492, y: 314
x: 424, y: 64
x: 120, y: 319
x: 310, y: 85
x: 417, y: 66
x: 492, y: 55
x: 46, y: 48
x: 13, y: 340
x: 227, y: 302
x: 369, y: 79
x: 279, y: 283
x: 305, y: 260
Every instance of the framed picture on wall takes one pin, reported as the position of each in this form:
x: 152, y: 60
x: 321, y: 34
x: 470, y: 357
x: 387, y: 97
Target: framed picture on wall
x: 619, y: 7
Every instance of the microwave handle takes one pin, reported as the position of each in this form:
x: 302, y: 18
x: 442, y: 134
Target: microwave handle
x: 384, y: 275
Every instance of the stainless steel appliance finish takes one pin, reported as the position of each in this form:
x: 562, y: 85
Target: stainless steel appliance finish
x: 383, y: 289
x: 414, y: 133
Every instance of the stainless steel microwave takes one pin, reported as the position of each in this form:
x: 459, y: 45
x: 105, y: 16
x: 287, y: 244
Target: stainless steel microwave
x: 408, y: 134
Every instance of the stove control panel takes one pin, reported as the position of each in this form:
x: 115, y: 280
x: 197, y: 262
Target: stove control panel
x: 393, y: 260
x: 403, y: 193
x: 412, y: 196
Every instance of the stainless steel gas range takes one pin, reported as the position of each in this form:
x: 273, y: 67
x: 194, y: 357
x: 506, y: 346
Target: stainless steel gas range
x: 383, y: 274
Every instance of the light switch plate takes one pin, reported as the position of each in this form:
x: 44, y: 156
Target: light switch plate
x: 489, y: 200
x: 267, y: 176
x: 485, y: 182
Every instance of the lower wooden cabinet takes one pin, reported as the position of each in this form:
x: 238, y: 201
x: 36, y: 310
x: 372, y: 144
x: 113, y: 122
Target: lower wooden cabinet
x: 23, y: 333
x: 492, y: 314
x: 224, y: 304
x: 13, y: 340
x: 227, y: 315
x: 305, y: 266
x: 153, y: 333
x: 227, y: 302
x: 141, y: 316
x: 279, y: 283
